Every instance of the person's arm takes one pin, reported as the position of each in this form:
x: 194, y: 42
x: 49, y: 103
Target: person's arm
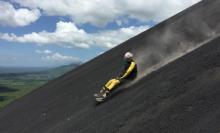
x: 129, y: 70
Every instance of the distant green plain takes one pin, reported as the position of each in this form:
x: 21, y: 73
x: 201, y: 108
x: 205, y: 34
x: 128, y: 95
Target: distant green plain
x: 19, y: 87
x: 15, y: 85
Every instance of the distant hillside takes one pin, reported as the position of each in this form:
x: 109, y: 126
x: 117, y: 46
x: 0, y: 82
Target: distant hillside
x: 23, y: 81
x: 56, y: 72
x: 22, y: 69
x: 43, y: 74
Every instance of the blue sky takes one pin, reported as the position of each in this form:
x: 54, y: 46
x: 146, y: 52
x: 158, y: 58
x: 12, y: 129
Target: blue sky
x: 57, y: 32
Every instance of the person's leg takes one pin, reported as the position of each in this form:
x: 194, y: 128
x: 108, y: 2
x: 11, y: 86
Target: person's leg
x: 104, y: 89
x: 112, y: 84
x: 109, y: 87
x: 109, y: 83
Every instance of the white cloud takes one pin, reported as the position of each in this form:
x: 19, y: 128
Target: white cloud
x: 48, y: 55
x: 9, y: 16
x: 47, y: 51
x: 96, y: 12
x: 68, y: 35
x: 100, y: 12
x: 112, y: 38
x: 43, y: 51
x: 61, y: 58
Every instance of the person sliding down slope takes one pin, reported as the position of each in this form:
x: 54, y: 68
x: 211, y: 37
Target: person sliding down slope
x: 129, y: 73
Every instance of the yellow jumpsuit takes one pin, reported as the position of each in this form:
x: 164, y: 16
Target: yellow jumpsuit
x: 111, y: 84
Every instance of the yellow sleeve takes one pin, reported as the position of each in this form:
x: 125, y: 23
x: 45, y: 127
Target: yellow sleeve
x: 129, y: 70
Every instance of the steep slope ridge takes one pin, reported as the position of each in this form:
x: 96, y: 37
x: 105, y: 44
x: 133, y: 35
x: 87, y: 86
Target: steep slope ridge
x: 180, y: 97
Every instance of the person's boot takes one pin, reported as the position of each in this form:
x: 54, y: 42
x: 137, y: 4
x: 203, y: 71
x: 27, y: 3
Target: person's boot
x: 104, y: 92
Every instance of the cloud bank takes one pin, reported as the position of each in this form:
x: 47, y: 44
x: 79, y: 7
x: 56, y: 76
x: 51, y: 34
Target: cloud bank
x: 48, y: 55
x: 101, y: 12
x: 9, y: 16
x: 68, y: 35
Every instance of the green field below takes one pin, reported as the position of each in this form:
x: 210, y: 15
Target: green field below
x: 16, y: 89
x: 15, y: 85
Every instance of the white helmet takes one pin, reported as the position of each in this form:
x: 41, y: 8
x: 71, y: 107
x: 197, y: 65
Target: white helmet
x: 128, y: 55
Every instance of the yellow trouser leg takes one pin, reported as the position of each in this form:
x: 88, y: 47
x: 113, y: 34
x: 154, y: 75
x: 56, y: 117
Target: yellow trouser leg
x: 111, y: 84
